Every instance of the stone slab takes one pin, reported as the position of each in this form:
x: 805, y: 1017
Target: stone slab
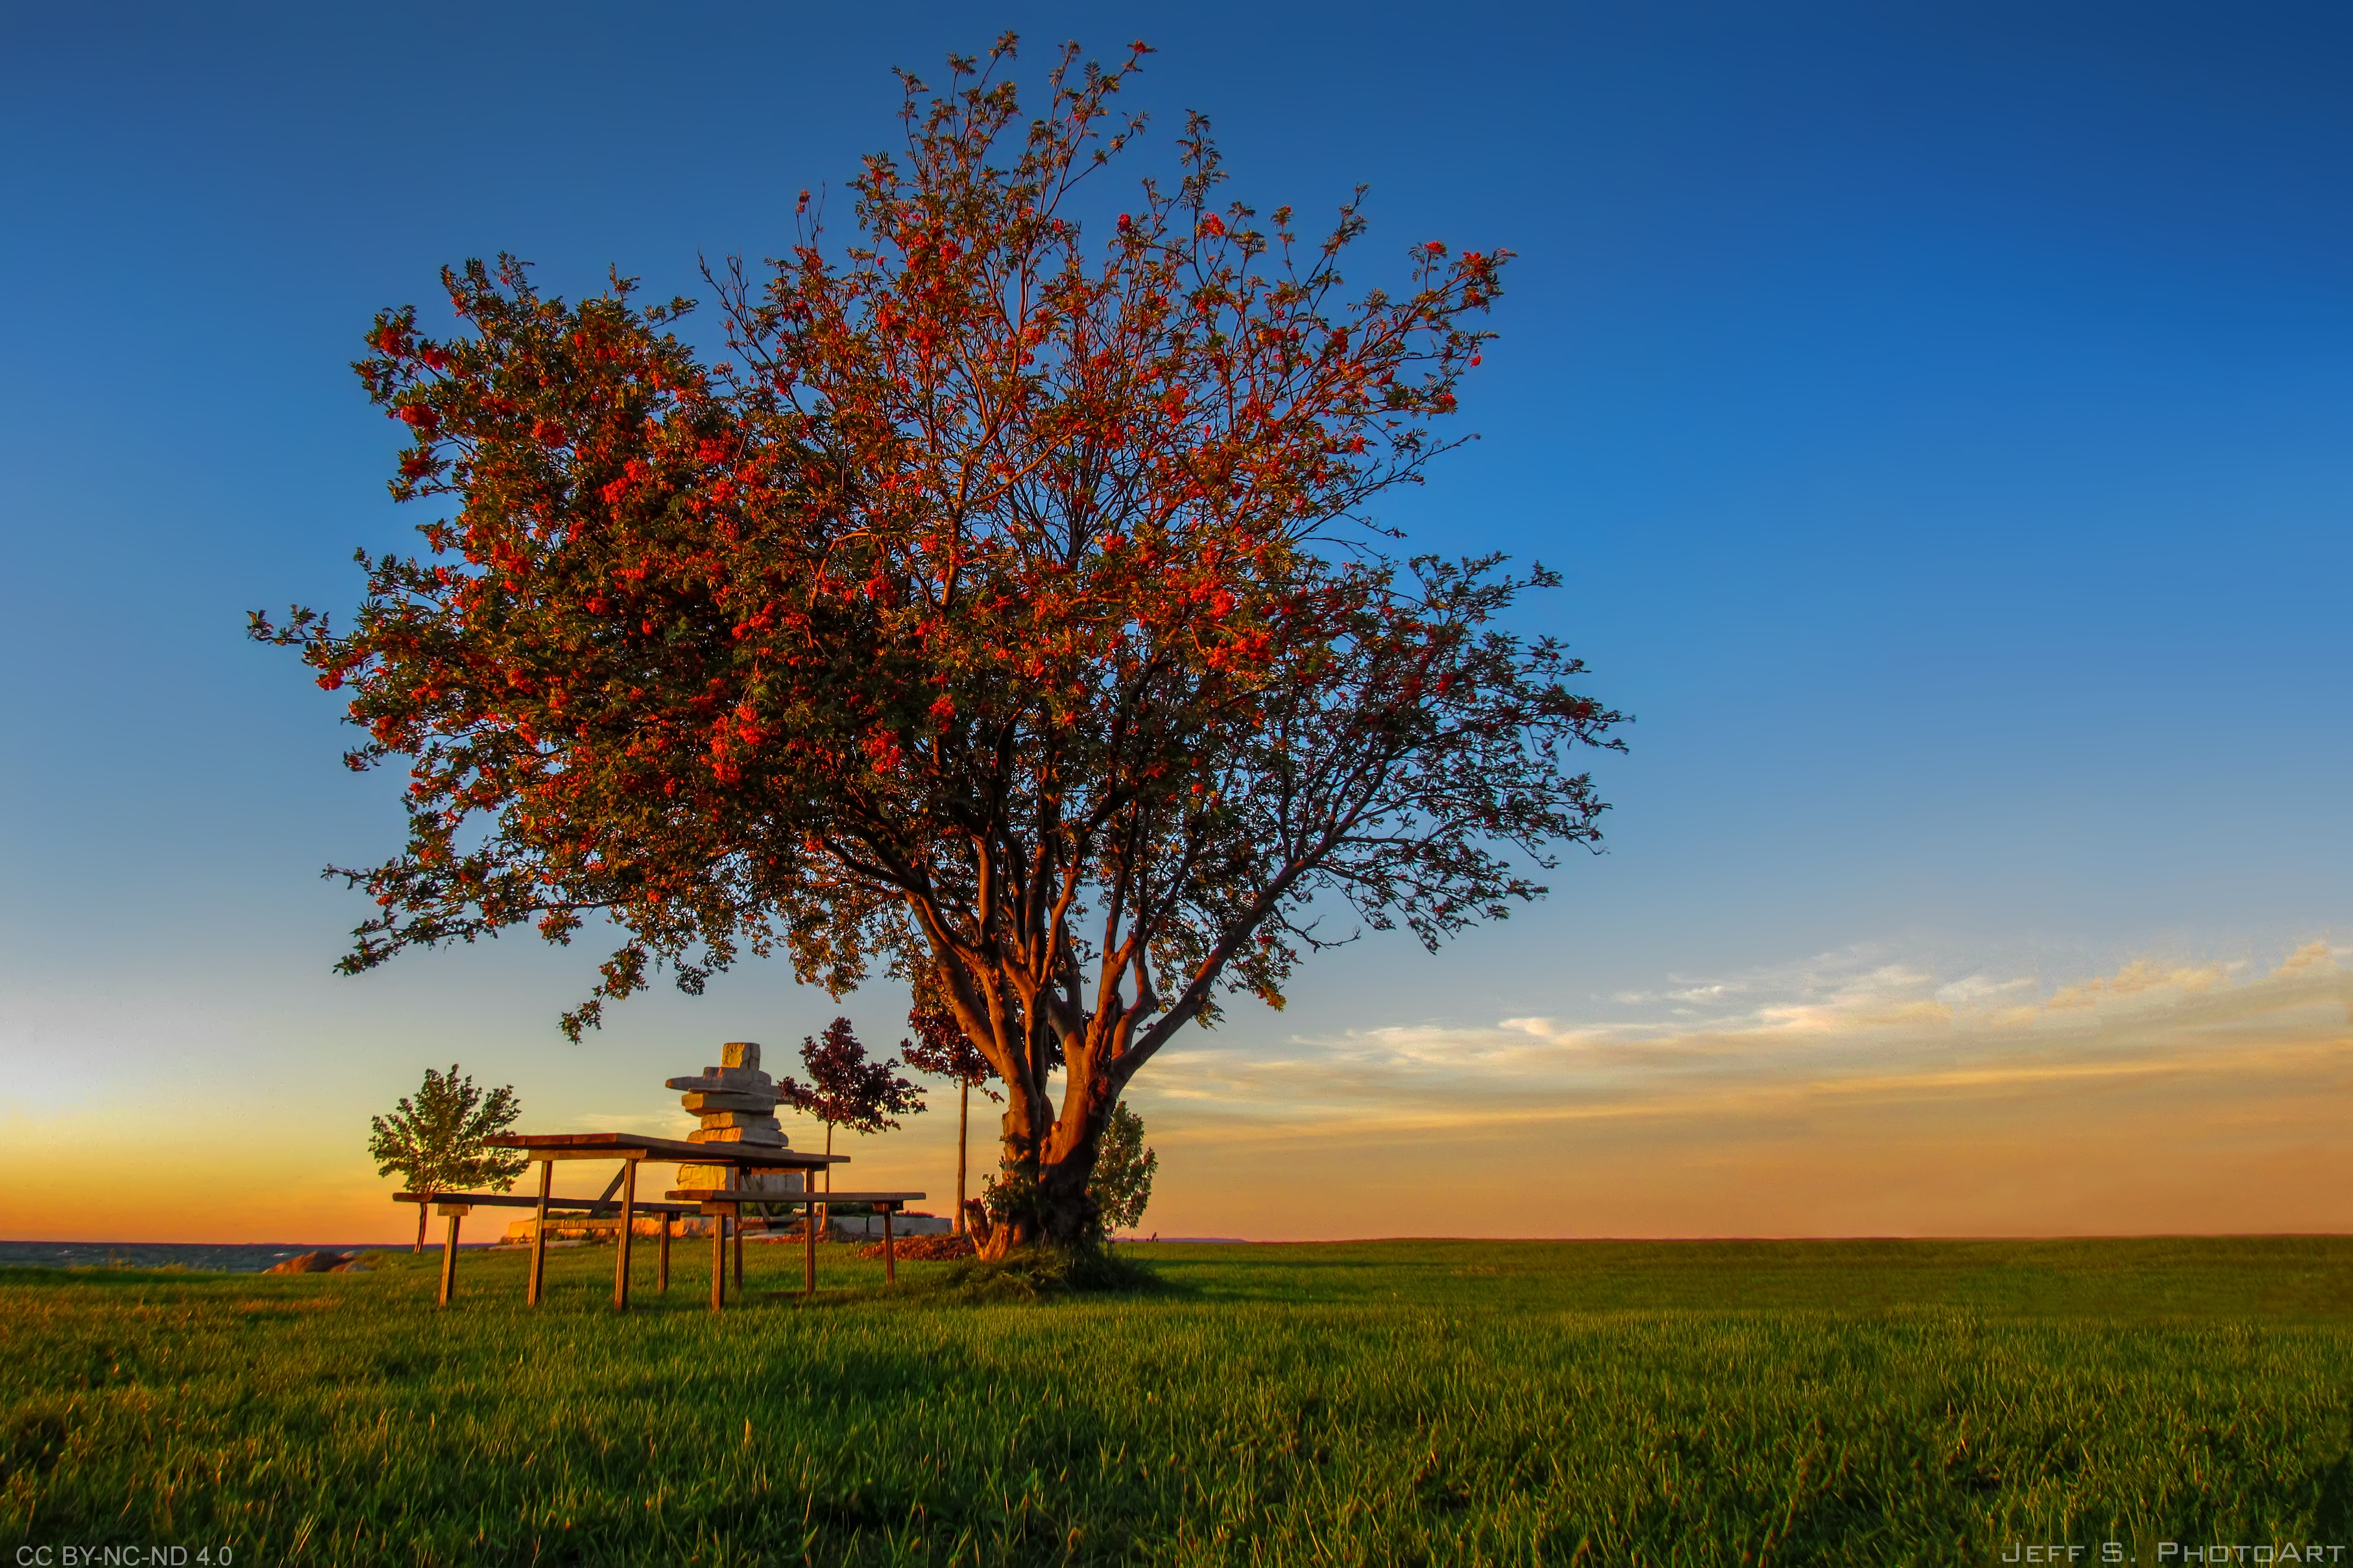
x: 721, y: 1081
x: 715, y: 1177
x: 738, y: 1118
x: 761, y: 1135
x: 740, y: 1054
x: 728, y: 1099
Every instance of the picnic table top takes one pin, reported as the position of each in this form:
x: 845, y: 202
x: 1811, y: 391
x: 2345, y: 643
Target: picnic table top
x: 753, y: 1195
x: 639, y: 1145
x: 526, y: 1201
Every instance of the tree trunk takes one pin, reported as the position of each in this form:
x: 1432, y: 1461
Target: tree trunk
x: 1047, y: 1156
x: 963, y: 1117
x: 825, y: 1210
x: 420, y: 1229
x: 1051, y: 1176
x: 1071, y: 1219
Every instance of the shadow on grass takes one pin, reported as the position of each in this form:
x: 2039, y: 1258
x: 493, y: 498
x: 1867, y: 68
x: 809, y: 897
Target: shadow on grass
x: 1031, y: 1274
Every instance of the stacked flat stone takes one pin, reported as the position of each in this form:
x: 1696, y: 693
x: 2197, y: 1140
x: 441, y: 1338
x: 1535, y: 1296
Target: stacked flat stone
x: 736, y: 1103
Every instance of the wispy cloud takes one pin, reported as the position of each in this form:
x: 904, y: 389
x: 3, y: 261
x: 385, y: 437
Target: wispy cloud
x: 1858, y: 1023
x: 1872, y: 1090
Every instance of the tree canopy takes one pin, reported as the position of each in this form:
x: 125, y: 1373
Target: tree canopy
x: 941, y: 1048
x: 1008, y: 611
x: 847, y: 1087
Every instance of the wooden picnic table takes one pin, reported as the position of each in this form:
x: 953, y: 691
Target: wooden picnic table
x: 731, y: 1200
x: 630, y: 1148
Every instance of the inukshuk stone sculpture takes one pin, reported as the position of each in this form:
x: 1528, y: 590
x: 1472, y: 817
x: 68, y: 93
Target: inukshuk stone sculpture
x: 737, y: 1104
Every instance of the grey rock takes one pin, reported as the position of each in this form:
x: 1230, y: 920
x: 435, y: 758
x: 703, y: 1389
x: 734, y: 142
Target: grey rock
x: 311, y: 1263
x: 766, y: 1136
x: 726, y: 1080
x: 715, y: 1118
x: 704, y: 1102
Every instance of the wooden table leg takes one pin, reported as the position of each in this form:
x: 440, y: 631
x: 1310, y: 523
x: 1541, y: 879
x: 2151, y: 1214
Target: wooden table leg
x: 539, y: 1237
x: 661, y: 1263
x: 628, y: 1229
x: 450, y: 1258
x: 890, y: 1255
x: 718, y: 1261
x: 739, y: 1251
x: 808, y: 1249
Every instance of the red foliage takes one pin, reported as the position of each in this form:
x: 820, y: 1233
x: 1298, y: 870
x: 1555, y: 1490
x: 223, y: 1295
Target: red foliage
x: 924, y: 1249
x: 943, y: 1050
x: 845, y: 1088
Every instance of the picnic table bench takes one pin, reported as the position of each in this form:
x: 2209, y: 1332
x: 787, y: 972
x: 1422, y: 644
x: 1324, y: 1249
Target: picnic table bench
x: 731, y: 1201
x: 456, y: 1205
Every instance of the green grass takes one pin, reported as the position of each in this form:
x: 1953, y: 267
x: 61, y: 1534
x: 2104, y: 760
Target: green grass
x: 1392, y: 1403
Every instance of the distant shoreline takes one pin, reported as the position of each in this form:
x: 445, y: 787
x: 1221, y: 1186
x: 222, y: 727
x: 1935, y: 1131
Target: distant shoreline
x: 207, y: 1257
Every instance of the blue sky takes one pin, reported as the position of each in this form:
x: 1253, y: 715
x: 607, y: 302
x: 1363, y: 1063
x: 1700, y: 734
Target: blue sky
x: 1943, y: 415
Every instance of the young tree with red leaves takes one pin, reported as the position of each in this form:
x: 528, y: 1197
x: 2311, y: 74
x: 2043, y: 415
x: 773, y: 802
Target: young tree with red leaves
x: 1008, y: 611
x: 847, y: 1089
x: 942, y: 1049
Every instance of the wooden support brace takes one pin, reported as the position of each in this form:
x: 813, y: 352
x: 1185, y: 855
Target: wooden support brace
x: 538, y: 1283
x: 739, y: 1252
x: 661, y: 1263
x: 890, y: 1255
x: 808, y: 1249
x: 629, y: 1226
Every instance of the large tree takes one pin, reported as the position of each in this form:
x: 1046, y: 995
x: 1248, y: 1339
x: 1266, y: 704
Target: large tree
x: 1006, y: 611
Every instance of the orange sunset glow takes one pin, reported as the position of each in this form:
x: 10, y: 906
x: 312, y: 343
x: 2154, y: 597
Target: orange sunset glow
x: 1852, y: 1096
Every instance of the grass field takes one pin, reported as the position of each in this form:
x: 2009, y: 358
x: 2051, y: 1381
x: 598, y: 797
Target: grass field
x: 1389, y: 1403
